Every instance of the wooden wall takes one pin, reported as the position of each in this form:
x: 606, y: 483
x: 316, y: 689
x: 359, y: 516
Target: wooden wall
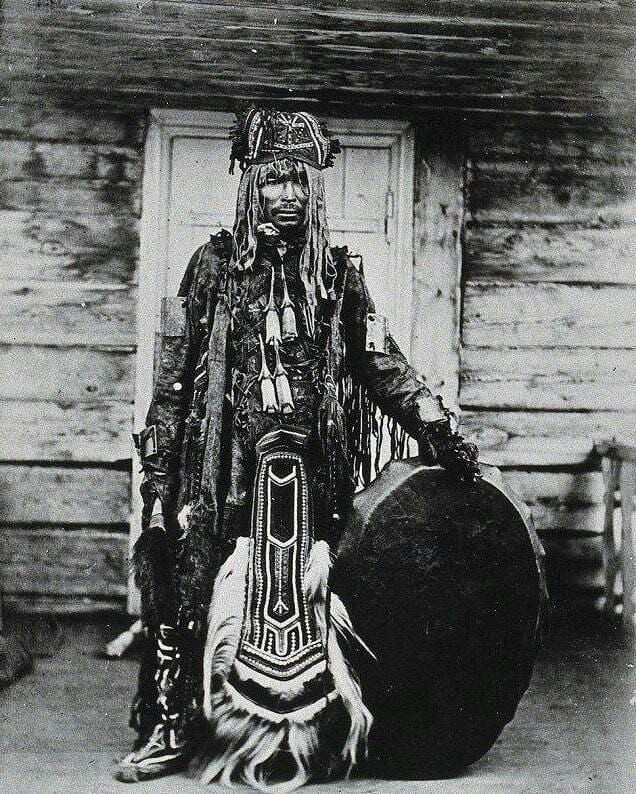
x: 485, y: 58
x: 547, y: 330
x: 69, y: 209
x: 548, y: 323
x: 547, y: 357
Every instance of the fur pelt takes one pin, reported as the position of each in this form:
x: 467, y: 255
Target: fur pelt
x: 200, y: 558
x: 152, y: 566
x: 248, y: 739
x: 225, y: 618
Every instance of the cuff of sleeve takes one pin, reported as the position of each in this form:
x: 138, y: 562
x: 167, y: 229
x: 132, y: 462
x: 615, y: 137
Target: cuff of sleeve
x: 429, y: 410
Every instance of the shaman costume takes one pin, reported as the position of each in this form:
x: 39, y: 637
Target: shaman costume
x: 259, y: 430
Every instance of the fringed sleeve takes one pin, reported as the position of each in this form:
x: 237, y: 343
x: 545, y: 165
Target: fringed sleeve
x: 387, y: 380
x: 391, y: 382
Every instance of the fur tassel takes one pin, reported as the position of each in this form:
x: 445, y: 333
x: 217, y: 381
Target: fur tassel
x: 341, y: 624
x: 224, y: 622
x: 317, y: 571
x: 348, y: 686
x: 151, y: 562
x: 250, y: 741
x: 283, y: 389
x: 316, y: 578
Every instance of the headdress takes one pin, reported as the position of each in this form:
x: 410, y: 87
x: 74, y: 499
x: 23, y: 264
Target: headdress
x: 263, y: 135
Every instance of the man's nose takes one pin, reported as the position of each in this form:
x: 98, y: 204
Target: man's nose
x: 288, y: 190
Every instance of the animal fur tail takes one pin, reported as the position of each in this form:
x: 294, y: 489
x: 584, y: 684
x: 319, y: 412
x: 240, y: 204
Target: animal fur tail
x: 151, y: 564
x: 248, y: 738
x: 338, y: 641
x: 224, y: 622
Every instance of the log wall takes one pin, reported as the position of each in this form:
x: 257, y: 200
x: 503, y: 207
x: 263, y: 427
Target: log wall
x: 70, y: 183
x: 485, y: 58
x: 522, y: 96
x: 549, y: 345
x: 547, y: 333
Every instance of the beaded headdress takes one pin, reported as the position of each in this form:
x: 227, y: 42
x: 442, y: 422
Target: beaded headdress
x: 263, y: 135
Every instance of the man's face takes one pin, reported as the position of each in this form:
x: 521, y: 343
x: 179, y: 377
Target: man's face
x: 284, y: 198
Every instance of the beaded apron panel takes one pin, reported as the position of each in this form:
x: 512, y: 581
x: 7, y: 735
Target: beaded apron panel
x: 279, y: 641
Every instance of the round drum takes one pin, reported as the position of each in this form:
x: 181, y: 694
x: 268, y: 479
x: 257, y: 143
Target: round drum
x: 444, y: 581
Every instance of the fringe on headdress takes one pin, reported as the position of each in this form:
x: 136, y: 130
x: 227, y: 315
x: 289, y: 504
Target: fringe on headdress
x: 249, y: 738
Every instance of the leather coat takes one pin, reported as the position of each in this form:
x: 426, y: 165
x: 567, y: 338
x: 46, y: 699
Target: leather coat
x: 183, y: 384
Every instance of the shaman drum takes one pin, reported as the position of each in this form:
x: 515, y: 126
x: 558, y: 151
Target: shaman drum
x: 444, y: 582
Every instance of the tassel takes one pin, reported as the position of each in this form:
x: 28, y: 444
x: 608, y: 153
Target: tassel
x: 331, y: 423
x: 268, y: 393
x: 272, y: 320
x: 272, y: 326
x: 366, y: 427
x: 289, y: 329
x: 153, y: 576
x: 355, y: 747
x: 344, y: 676
x: 289, y: 322
x: 283, y: 392
x: 268, y: 396
x: 283, y: 389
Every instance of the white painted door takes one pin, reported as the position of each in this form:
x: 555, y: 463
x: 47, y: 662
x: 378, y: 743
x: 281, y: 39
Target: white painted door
x: 189, y: 195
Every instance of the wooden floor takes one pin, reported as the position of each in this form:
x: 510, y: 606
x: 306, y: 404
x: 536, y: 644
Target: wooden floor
x: 64, y: 726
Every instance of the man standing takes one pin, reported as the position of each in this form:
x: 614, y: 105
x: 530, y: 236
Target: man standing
x: 259, y: 430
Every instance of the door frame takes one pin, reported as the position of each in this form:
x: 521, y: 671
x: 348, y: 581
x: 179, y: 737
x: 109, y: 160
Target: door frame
x: 164, y: 126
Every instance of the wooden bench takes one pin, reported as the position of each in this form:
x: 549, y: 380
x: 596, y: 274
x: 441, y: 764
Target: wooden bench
x: 619, y: 475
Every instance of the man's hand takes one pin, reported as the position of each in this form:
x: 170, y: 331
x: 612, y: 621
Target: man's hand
x: 439, y: 443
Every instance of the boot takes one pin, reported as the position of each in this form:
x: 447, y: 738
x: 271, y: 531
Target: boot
x: 165, y: 750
